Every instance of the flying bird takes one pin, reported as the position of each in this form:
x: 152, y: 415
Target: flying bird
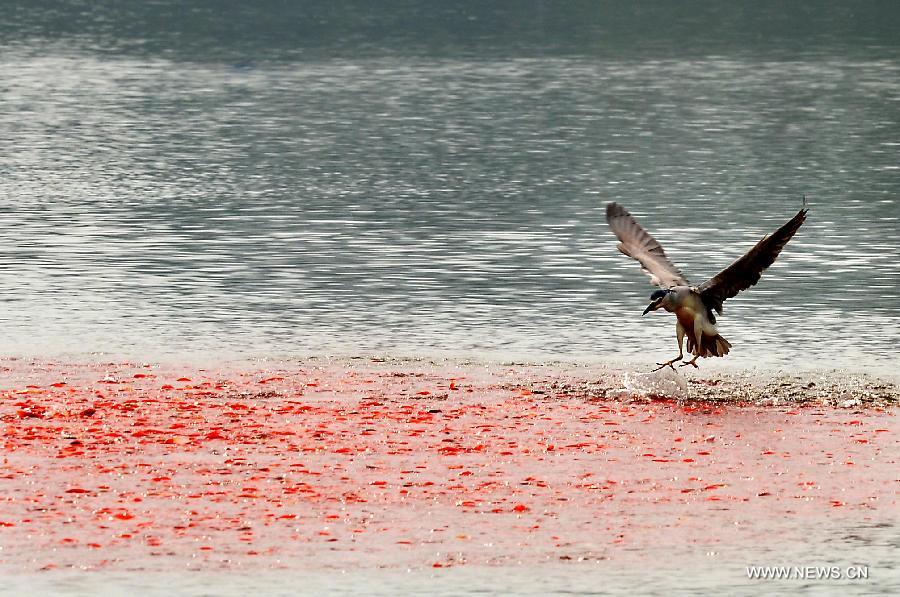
x: 694, y: 306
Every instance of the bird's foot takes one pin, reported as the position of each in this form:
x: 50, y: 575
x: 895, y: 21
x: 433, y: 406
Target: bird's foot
x: 668, y: 364
x: 691, y: 362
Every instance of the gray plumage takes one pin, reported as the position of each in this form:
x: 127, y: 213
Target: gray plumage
x: 694, y: 306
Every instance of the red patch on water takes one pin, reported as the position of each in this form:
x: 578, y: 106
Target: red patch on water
x: 372, y: 465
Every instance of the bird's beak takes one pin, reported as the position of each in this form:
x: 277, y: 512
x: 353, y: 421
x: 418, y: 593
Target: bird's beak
x: 651, y: 307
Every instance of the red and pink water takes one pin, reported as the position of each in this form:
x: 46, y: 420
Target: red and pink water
x: 354, y: 465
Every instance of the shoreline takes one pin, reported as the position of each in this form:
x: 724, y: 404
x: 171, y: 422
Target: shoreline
x: 590, y: 380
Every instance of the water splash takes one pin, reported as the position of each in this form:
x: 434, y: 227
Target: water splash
x: 665, y: 382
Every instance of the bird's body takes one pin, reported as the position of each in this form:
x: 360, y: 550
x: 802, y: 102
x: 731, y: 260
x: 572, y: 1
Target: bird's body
x: 695, y: 322
x: 695, y: 306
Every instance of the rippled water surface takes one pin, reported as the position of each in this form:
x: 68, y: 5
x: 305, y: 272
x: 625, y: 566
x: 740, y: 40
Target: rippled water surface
x: 155, y: 206
x: 218, y: 180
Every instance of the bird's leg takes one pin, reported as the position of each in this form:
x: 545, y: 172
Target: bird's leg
x: 698, y: 338
x: 679, y: 332
x: 693, y: 362
x: 698, y: 333
x: 668, y: 363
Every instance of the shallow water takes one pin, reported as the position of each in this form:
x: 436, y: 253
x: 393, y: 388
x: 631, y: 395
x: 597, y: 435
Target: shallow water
x: 707, y: 573
x: 153, y: 206
x: 335, y: 477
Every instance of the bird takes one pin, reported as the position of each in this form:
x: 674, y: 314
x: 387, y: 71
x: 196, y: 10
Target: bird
x: 695, y: 307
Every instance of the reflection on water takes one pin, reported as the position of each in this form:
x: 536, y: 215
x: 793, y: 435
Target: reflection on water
x: 152, y: 208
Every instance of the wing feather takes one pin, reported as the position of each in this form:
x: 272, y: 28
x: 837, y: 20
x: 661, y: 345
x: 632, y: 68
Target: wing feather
x: 637, y: 243
x: 746, y: 271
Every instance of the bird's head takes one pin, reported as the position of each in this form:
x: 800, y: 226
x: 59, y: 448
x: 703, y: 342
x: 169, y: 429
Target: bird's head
x: 656, y: 300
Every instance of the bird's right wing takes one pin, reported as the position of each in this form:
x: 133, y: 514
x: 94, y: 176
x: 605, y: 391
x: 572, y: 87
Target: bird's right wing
x: 635, y: 242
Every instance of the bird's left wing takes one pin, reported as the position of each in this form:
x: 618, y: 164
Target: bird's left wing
x: 637, y: 243
x: 745, y: 272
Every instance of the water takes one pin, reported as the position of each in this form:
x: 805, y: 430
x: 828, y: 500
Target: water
x: 228, y: 180
x: 179, y: 197
x: 869, y: 548
x: 401, y: 206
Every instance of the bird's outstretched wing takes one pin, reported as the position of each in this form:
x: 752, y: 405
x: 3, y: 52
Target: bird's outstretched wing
x: 745, y: 272
x: 635, y: 242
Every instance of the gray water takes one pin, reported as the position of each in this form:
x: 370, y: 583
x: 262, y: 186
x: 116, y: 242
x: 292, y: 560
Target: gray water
x: 724, y: 570
x: 200, y: 185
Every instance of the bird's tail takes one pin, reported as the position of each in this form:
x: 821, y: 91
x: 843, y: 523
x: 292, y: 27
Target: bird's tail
x: 710, y: 346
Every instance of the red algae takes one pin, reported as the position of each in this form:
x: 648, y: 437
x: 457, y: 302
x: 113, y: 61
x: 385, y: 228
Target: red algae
x: 371, y: 464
